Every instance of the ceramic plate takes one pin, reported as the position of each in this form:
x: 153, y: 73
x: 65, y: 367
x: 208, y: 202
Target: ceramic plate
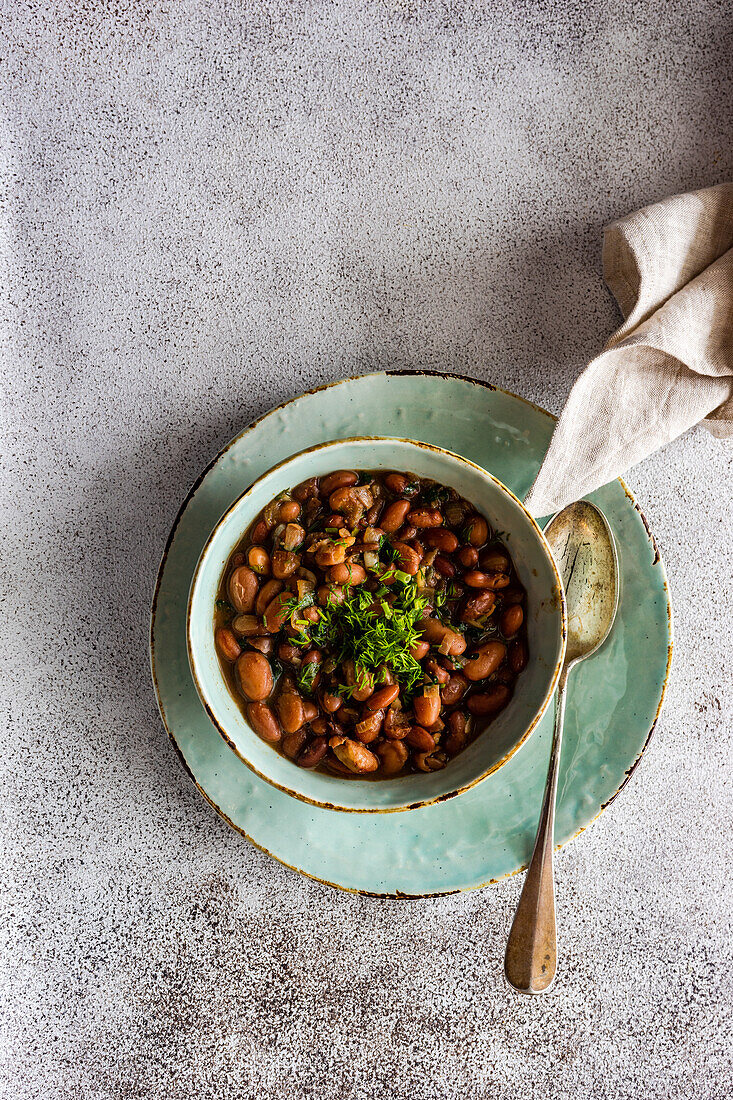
x: 488, y: 832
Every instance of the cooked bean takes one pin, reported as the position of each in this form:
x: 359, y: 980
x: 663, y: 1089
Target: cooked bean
x: 354, y: 755
x: 442, y: 539
x: 331, y: 703
x: 437, y: 671
x: 512, y: 595
x: 408, y: 559
x: 237, y: 559
x: 476, y: 606
x: 311, y: 614
x: 449, y: 641
x: 476, y: 579
x: 374, y: 513
x: 420, y: 739
x: 278, y: 611
x: 396, y: 483
x: 313, y: 754
x: 489, y: 702
x: 445, y: 567
x: 284, y: 563
x: 494, y: 561
x: 306, y: 490
x: 454, y: 690
x: 430, y: 762
x: 255, y: 675
x: 383, y: 697
x: 341, y: 479
x: 425, y: 517
x: 336, y: 766
x: 467, y: 556
x: 419, y: 650
x: 293, y: 742
x: 427, y: 705
x: 488, y: 658
x: 331, y: 554
x: 330, y: 594
x: 242, y: 588
x: 362, y: 685
x: 458, y: 732
x: 393, y: 756
x: 310, y: 710
x: 288, y: 511
x: 517, y: 656
x: 347, y: 573
x: 228, y: 645
x: 394, y: 515
x: 396, y: 725
x: 247, y: 625
x: 293, y: 536
x: 265, y: 644
x: 477, y: 530
x: 319, y: 726
x: 367, y: 730
x: 259, y: 560
x: 266, y: 594
x: 406, y: 532
x: 264, y: 722
x: 259, y: 533
x: 291, y: 712
x: 511, y: 620
x: 288, y: 653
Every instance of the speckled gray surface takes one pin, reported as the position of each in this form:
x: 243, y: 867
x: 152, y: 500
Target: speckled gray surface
x: 207, y: 208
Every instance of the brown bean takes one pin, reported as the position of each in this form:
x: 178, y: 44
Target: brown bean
x: 293, y: 742
x: 287, y: 652
x: 332, y: 554
x: 427, y: 705
x: 489, y: 702
x: 291, y: 713
x: 331, y: 703
x: 420, y: 739
x: 489, y: 657
x: 476, y: 606
x: 259, y: 560
x: 430, y: 761
x: 419, y: 650
x: 306, y: 490
x: 477, y: 530
x: 278, y: 611
x: 242, y: 589
x: 310, y: 710
x: 313, y: 754
x: 394, y: 515
x: 449, y: 641
x: 362, y: 685
x: 476, y: 579
x: 512, y: 595
x: 310, y: 614
x: 255, y: 675
x: 266, y: 594
x: 264, y: 722
x: 393, y: 756
x: 293, y: 536
x: 425, y: 517
x: 454, y: 690
x: 408, y: 559
x: 284, y: 563
x: 406, y: 532
x: 383, y: 697
x: 396, y: 483
x: 265, y: 644
x: 247, y: 626
x: 396, y: 725
x: 511, y: 620
x: 260, y: 531
x: 341, y: 479
x: 347, y: 573
x: 354, y: 755
x: 442, y: 539
x: 444, y: 567
x: 494, y: 561
x: 237, y: 559
x: 288, y: 511
x: 517, y: 655
x: 437, y: 671
x: 228, y: 645
x: 374, y: 513
x: 368, y: 729
x: 319, y: 726
x: 467, y: 556
x: 458, y: 732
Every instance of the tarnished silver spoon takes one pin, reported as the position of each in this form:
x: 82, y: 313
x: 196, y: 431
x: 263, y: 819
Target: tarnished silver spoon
x: 584, y: 549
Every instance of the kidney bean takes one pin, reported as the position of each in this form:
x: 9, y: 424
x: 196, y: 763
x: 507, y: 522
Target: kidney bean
x: 374, y: 513
x: 477, y: 530
x: 444, y: 567
x: 267, y: 593
x: 430, y: 761
x: 458, y: 732
x: 259, y: 560
x: 494, y: 561
x: 427, y: 705
x: 341, y: 479
x: 293, y: 536
x: 437, y: 671
x: 489, y: 657
x: 306, y: 490
x: 237, y: 559
x: 396, y: 725
x: 454, y: 690
x: 420, y: 739
x: 347, y: 573
x: 383, y: 697
x: 329, y: 555
x: 442, y: 539
x: 419, y: 650
x: 288, y: 653
x: 277, y: 612
x: 255, y: 675
x: 242, y: 589
x: 489, y: 702
x: 449, y: 641
x: 393, y: 756
x: 425, y: 517
x: 228, y: 645
x: 310, y: 614
x: 288, y: 511
x: 293, y: 742
x: 512, y: 595
x: 312, y: 754
x: 408, y: 559
x: 476, y: 579
x: 394, y: 515
x: 467, y: 556
x: 406, y: 533
x: 362, y: 685
x: 511, y: 620
x: 319, y: 726
x: 476, y: 606
x: 291, y: 713
x: 264, y: 722
x: 247, y: 625
x: 331, y: 703
x: 310, y: 710
x: 260, y: 531
x: 284, y: 563
x: 336, y: 766
x: 354, y: 755
x: 330, y: 593
x: 396, y: 483
x: 368, y: 729
x: 264, y: 644
x: 517, y: 656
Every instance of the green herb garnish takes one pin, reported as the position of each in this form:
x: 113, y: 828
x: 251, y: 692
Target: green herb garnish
x: 306, y: 676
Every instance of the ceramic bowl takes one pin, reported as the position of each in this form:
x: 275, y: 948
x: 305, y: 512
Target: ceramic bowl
x: 546, y: 628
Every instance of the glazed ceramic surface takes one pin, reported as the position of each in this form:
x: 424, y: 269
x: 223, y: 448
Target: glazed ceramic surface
x: 545, y: 619
x: 488, y: 831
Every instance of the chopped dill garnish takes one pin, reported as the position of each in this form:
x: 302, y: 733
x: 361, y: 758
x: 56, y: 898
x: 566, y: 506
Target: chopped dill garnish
x: 306, y: 676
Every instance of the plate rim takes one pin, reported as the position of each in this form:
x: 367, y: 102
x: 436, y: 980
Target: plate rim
x: 398, y: 895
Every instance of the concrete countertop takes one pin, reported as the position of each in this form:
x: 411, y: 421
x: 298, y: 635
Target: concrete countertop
x: 207, y: 208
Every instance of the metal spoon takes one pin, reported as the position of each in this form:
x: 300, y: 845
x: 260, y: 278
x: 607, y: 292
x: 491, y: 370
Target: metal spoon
x: 584, y: 549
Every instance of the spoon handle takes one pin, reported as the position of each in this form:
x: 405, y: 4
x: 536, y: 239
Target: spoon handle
x: 530, y: 962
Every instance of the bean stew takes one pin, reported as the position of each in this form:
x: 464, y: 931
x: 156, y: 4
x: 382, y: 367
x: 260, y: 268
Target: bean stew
x: 370, y: 623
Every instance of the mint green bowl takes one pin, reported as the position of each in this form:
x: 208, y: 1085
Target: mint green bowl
x: 546, y: 628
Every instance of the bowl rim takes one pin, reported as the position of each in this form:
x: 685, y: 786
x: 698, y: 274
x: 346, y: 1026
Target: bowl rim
x: 423, y: 802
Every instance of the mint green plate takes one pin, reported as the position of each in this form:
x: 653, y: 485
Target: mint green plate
x: 487, y: 832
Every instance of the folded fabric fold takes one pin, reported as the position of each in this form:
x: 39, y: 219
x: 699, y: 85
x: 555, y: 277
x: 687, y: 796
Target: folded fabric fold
x: 670, y: 365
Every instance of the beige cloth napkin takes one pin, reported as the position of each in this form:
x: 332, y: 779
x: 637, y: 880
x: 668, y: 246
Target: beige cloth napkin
x: 670, y: 365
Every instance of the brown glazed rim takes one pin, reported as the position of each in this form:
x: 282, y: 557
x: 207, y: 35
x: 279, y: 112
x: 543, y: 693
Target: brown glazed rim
x: 558, y: 592
x: 399, y: 895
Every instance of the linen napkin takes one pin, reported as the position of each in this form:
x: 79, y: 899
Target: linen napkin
x: 670, y: 365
